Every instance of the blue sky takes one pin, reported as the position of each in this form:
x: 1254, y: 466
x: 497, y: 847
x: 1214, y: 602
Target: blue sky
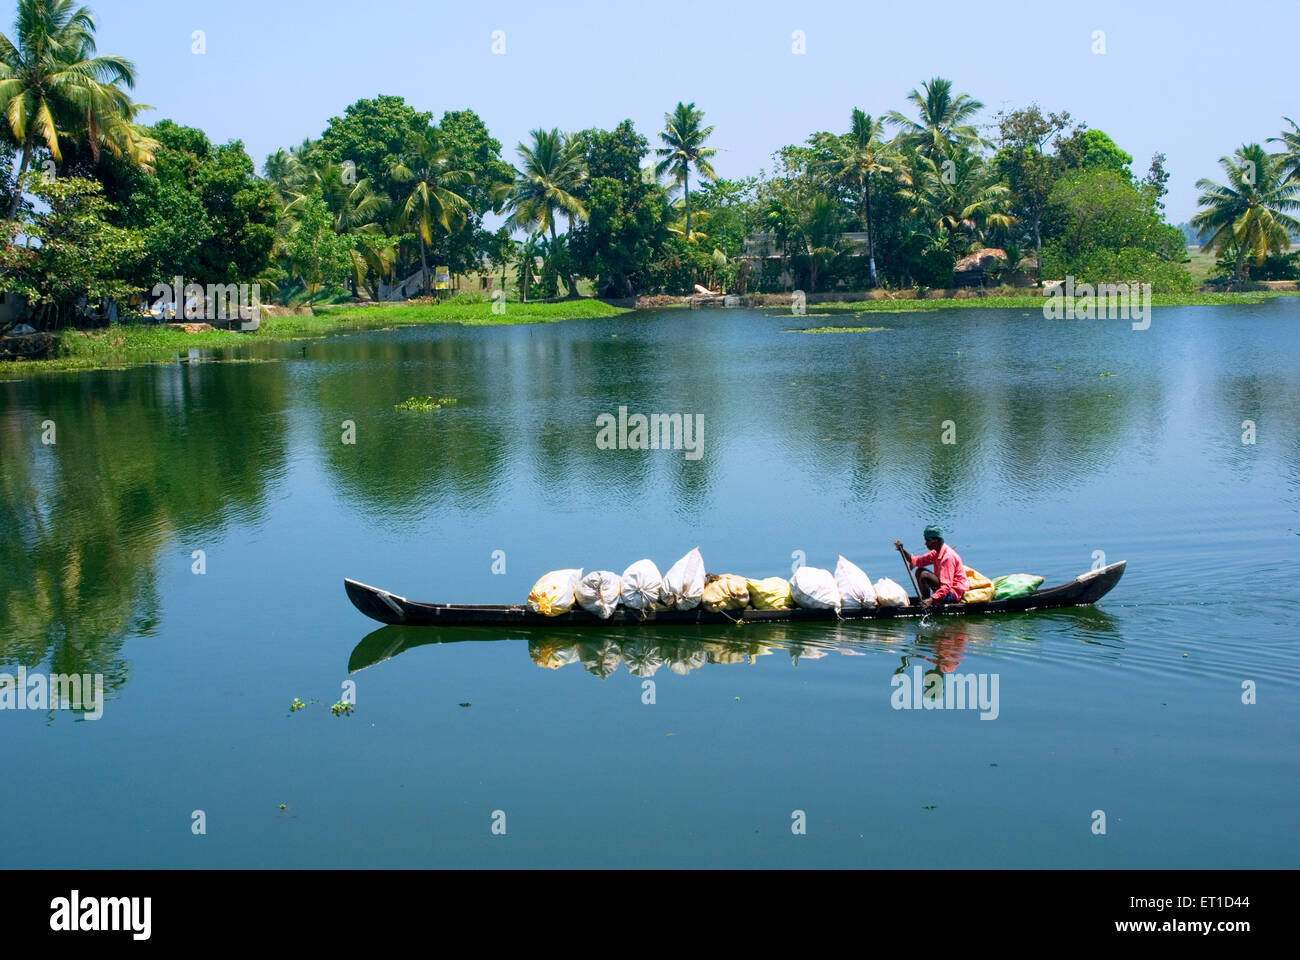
x: 275, y: 71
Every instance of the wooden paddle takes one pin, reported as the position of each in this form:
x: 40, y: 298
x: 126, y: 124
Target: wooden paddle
x: 911, y: 577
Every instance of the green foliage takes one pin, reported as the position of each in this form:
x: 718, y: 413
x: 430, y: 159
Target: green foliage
x: 1100, y: 208
x: 1088, y: 149
x: 203, y: 212
x: 80, y: 254
x: 317, y: 255
x: 1125, y: 265
x: 54, y: 92
x: 424, y: 404
x: 373, y: 134
x: 625, y: 226
x: 677, y: 265
x: 1254, y: 213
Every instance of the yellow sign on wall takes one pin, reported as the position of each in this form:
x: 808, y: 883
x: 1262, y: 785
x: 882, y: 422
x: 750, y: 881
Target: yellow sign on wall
x: 441, y: 278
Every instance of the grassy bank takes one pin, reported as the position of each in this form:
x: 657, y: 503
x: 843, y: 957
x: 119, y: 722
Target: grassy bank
x: 124, y: 345
x: 1019, y: 302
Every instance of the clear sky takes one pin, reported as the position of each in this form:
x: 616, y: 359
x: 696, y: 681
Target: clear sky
x: 1190, y: 79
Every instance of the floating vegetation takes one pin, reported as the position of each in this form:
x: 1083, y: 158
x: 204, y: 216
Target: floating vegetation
x: 296, y: 705
x: 464, y: 704
x: 342, y: 709
x: 424, y: 404
x: 838, y: 330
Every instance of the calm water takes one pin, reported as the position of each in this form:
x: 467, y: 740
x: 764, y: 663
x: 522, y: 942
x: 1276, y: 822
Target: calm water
x: 1072, y: 437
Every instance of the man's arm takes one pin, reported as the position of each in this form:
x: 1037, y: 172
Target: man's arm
x: 923, y: 559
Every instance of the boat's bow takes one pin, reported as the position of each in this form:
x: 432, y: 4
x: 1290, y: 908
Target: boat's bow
x: 1097, y: 583
x: 375, y: 603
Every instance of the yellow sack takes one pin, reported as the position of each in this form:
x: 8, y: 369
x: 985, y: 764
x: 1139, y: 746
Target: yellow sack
x: 727, y: 592
x: 770, y: 594
x: 980, y: 589
x: 553, y: 595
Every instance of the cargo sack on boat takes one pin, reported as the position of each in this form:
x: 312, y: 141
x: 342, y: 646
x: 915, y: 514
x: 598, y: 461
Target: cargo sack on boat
x: 980, y: 589
x: 815, y: 589
x: 641, y: 585
x: 890, y: 594
x: 552, y: 595
x: 725, y: 592
x: 684, y: 583
x: 1015, y: 585
x: 772, y: 593
x: 856, y: 590
x: 598, y: 592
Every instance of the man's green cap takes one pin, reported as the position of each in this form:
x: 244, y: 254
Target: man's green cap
x: 933, y: 532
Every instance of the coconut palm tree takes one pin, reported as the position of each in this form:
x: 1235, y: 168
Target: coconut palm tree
x: 961, y: 197
x: 52, y: 86
x: 551, y: 173
x: 1290, y: 140
x: 942, y: 120
x: 1252, y: 213
x: 858, y: 158
x: 684, y: 148
x: 433, y: 200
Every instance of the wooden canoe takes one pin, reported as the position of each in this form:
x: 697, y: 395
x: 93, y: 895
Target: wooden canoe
x: 391, y: 609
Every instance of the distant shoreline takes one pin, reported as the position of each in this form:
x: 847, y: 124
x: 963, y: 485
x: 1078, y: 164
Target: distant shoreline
x: 126, y: 345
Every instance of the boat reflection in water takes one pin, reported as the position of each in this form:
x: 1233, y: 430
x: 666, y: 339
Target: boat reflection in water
x: 643, y: 651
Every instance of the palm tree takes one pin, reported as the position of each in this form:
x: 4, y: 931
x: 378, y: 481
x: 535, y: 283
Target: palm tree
x: 962, y: 198
x: 526, y: 254
x: 941, y: 122
x: 433, y: 199
x: 859, y: 157
x: 1251, y: 214
x: 684, y: 147
x: 356, y: 208
x: 552, y: 171
x: 1290, y: 139
x: 52, y: 86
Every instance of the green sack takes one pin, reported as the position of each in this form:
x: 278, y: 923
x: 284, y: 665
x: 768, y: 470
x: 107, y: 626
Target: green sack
x: 1015, y: 585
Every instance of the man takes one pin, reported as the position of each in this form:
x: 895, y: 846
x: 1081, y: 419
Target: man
x: 947, y: 582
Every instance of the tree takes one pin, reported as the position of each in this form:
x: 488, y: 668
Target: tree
x: 1251, y: 214
x: 1156, y: 182
x: 960, y: 199
x: 81, y: 257
x: 315, y: 253
x: 52, y: 86
x: 427, y: 168
x: 624, y: 229
x: 1027, y: 169
x: 1087, y: 149
x: 942, y: 120
x: 1290, y: 141
x: 373, y: 135
x: 860, y: 157
x: 626, y: 213
x: 684, y: 148
x: 1106, y: 229
x: 550, y: 177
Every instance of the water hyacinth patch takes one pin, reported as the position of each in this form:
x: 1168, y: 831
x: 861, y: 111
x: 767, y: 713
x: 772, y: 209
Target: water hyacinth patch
x: 424, y: 404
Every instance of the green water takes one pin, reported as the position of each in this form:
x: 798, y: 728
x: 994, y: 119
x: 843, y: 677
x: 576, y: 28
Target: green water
x: 1075, y: 442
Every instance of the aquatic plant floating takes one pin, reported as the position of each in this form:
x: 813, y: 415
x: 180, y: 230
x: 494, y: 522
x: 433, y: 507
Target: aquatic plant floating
x: 342, y: 709
x: 424, y: 404
x: 838, y: 330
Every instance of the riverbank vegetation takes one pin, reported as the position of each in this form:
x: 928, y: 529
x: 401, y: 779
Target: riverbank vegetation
x: 389, y: 202
x: 124, y: 344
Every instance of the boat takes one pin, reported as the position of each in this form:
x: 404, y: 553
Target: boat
x: 386, y: 607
